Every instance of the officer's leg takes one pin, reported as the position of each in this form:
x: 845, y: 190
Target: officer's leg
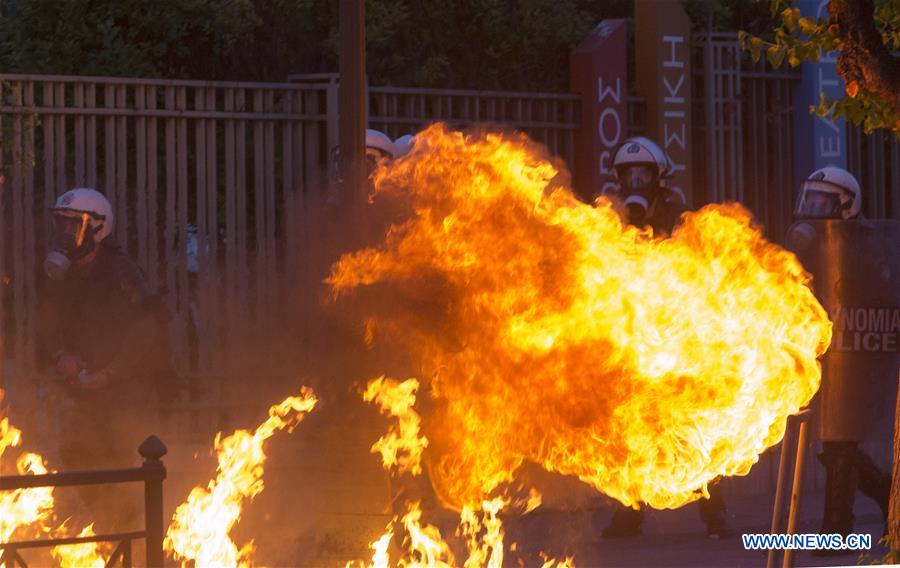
x: 873, y: 482
x: 625, y: 522
x: 712, y: 512
x: 841, y: 460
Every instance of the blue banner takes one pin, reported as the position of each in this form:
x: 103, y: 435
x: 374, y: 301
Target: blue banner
x: 818, y: 141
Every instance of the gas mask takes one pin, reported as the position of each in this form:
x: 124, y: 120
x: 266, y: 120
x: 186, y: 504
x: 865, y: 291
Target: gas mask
x: 71, y: 239
x: 639, y: 188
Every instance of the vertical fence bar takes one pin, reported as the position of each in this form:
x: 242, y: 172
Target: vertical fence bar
x: 19, y: 210
x: 894, y: 205
x: 152, y: 192
x: 122, y: 200
x: 287, y: 180
x: 199, y: 293
x: 310, y: 159
x: 109, y: 155
x: 181, y: 222
x: 230, y: 304
x: 78, y: 99
x: 32, y: 218
x: 270, y: 222
x: 140, y: 181
x: 3, y: 274
x: 779, y: 151
x: 259, y: 210
x: 48, y: 128
x: 152, y: 450
x: 61, y: 179
x: 170, y: 256
x: 91, y: 125
x: 242, y: 241
x: 212, y: 226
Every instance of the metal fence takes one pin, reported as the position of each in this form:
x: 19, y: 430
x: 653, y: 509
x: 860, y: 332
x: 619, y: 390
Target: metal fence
x: 209, y: 179
x: 743, y: 137
x: 552, y: 119
x: 875, y: 160
x: 549, y: 118
x: 151, y: 473
x: 204, y: 179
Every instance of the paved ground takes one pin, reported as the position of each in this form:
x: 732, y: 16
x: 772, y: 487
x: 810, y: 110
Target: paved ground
x: 677, y: 538
x: 326, y: 499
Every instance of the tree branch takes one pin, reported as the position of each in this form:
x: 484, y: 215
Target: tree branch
x: 864, y: 59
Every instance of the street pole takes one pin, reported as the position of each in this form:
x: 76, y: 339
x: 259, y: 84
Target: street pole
x: 352, y: 107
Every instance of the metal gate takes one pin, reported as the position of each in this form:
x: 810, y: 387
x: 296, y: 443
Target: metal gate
x: 205, y: 179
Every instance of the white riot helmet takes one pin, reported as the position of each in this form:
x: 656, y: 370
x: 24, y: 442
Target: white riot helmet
x: 640, y: 168
x: 640, y: 154
x: 404, y: 144
x: 829, y: 193
x: 81, y: 219
x: 378, y: 147
x: 378, y: 144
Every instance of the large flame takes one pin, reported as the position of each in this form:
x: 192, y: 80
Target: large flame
x: 26, y: 510
x: 84, y: 555
x: 401, y: 448
x: 422, y: 546
x: 647, y: 367
x: 22, y: 508
x: 200, y: 528
x: 29, y: 513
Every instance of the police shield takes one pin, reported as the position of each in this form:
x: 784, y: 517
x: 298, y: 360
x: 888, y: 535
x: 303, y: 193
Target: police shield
x: 856, y: 275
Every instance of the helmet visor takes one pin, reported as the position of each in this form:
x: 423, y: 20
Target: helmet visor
x: 69, y: 230
x: 815, y: 204
x: 373, y: 157
x: 636, y: 177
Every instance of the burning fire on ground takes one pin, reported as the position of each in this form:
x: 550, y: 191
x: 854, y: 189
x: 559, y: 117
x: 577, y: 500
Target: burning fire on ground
x: 646, y: 367
x: 28, y: 513
x: 422, y: 546
x: 199, y: 532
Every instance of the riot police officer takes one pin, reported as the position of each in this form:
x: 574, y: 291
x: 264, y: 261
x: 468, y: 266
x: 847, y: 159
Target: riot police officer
x: 101, y: 332
x: 642, y: 169
x: 833, y: 193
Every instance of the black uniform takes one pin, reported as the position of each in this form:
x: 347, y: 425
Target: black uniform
x: 663, y: 217
x: 104, y: 314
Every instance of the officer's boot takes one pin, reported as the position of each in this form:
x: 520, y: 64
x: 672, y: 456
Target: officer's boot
x: 875, y: 484
x: 840, y: 461
x: 625, y: 522
x: 712, y: 511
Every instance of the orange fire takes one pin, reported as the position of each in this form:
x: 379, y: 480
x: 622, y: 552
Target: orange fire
x: 200, y: 527
x: 28, y: 513
x: 422, y: 546
x: 484, y: 536
x: 85, y: 555
x: 22, y: 508
x: 647, y: 367
x: 402, y: 446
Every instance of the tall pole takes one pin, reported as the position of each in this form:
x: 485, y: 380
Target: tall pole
x: 352, y: 105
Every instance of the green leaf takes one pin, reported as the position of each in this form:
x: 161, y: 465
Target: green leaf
x: 775, y: 56
x: 809, y: 26
x: 755, y: 46
x: 789, y: 17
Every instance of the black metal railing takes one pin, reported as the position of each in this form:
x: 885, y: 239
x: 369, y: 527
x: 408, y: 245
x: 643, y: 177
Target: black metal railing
x: 152, y: 473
